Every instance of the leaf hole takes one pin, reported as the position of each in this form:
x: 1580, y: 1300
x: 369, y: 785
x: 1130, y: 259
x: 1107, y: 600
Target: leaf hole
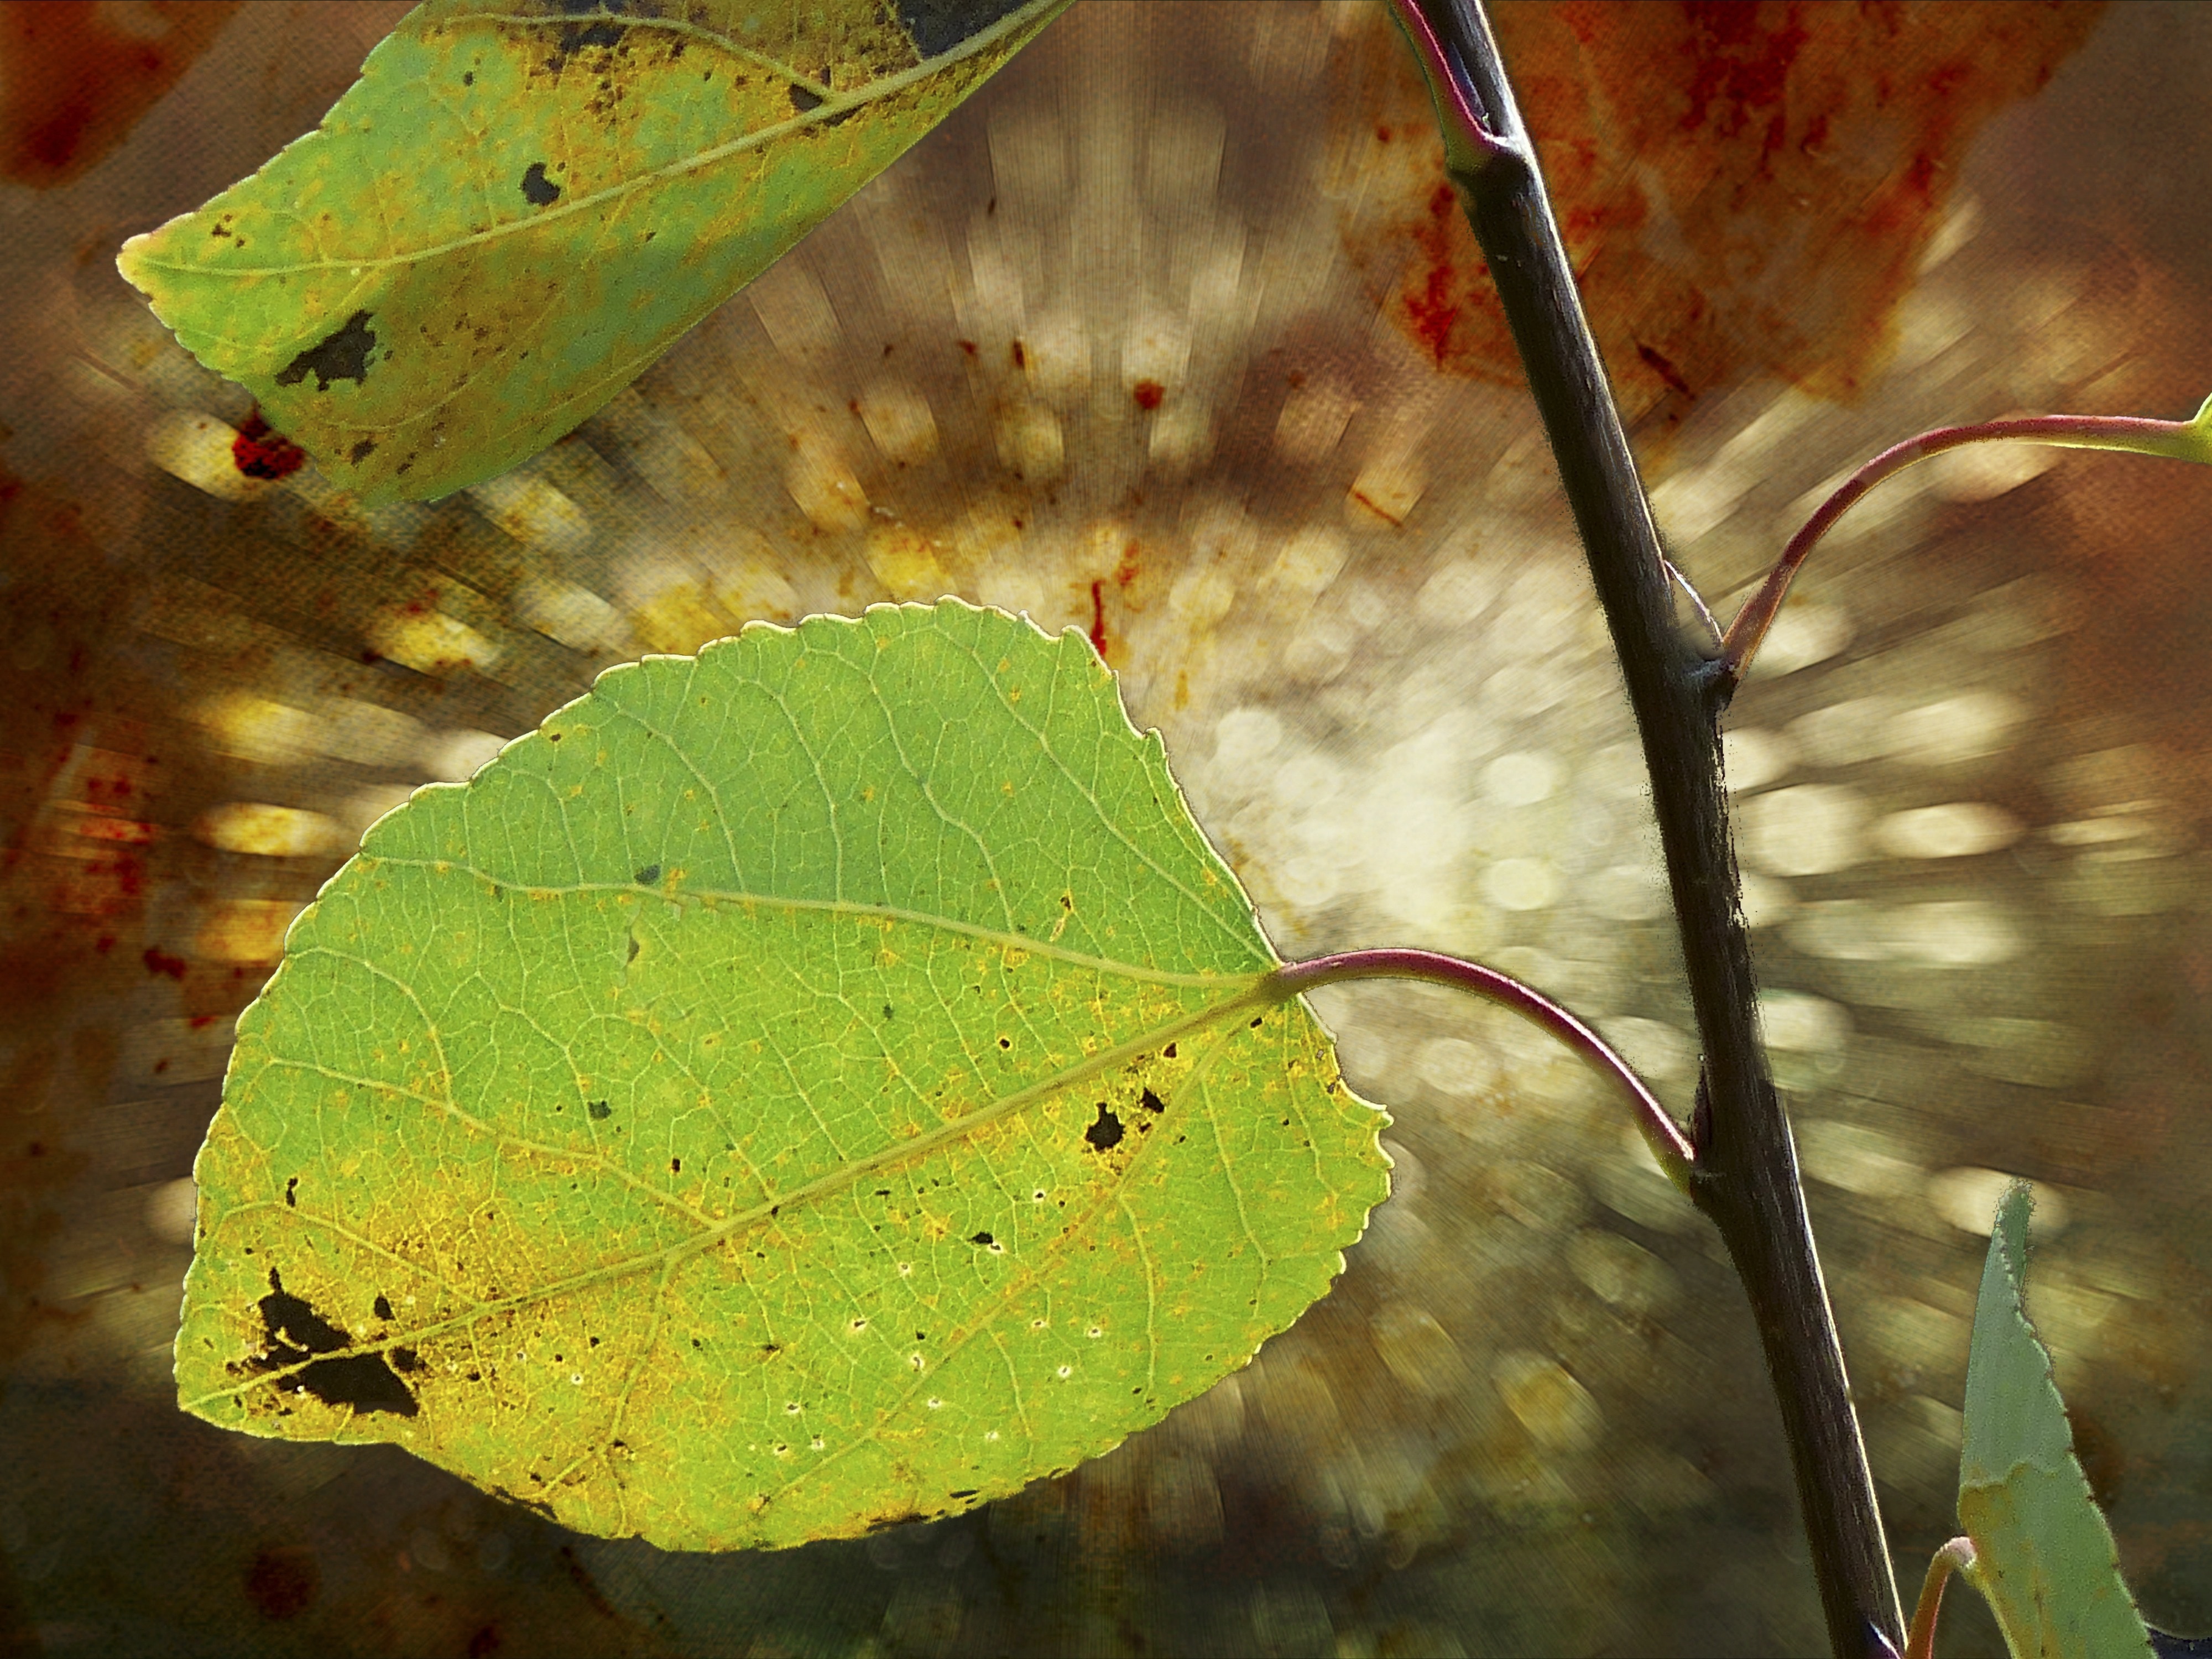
x: 1065, y: 1372
x: 1105, y: 1131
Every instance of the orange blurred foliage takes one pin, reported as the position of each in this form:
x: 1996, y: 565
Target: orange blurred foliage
x: 75, y: 77
x: 1742, y: 187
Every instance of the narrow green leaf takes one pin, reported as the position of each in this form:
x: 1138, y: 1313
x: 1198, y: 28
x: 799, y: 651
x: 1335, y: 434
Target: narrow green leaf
x: 2044, y: 1558
x: 521, y: 205
x: 798, y: 1088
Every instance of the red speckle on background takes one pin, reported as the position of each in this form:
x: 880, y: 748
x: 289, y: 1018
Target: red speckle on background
x: 1741, y: 61
x: 1098, y: 618
x: 1660, y: 364
x: 259, y: 453
x: 73, y: 82
x: 967, y: 346
x: 159, y: 961
x: 1798, y: 156
x: 1148, y: 393
x: 1435, y: 307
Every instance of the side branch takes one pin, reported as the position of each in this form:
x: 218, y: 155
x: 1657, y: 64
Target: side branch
x: 1745, y: 1173
x: 2180, y: 441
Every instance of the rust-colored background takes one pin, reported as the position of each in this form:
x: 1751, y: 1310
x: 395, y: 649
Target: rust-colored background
x: 1215, y: 377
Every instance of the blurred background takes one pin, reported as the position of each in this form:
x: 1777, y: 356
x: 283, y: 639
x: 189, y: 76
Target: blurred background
x: 1168, y: 336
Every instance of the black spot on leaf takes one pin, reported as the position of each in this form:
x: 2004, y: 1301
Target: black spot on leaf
x: 536, y: 189
x: 982, y: 1239
x: 296, y: 1333
x: 802, y: 101
x: 599, y: 1110
x: 938, y: 26
x: 382, y: 1307
x: 574, y: 38
x: 290, y: 1319
x: 343, y: 356
x: 1151, y: 1101
x: 362, y: 451
x: 292, y: 1192
x: 406, y: 1360
x: 968, y: 1491
x: 1105, y: 1132
x: 649, y: 875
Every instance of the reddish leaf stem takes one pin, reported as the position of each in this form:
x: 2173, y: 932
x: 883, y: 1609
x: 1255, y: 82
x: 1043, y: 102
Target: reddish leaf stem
x: 1669, y: 1145
x: 1463, y: 129
x: 2178, y: 439
x: 1920, y: 1642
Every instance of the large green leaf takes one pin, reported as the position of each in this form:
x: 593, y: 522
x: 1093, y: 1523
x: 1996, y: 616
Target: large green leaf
x: 2043, y: 1556
x: 520, y: 204
x: 819, y: 1083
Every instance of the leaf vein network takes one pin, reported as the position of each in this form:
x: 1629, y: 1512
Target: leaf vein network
x: 833, y: 105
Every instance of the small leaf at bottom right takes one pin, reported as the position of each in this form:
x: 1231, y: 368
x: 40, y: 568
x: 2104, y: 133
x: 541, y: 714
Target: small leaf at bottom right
x: 2045, y: 1559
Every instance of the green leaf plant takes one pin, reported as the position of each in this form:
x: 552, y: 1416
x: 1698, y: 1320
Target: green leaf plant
x: 520, y: 206
x: 2035, y: 1546
x: 832, y: 1081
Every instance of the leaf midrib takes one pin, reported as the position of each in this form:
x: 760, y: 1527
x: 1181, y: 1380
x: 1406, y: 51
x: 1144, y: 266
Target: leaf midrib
x: 833, y: 106
x: 1252, y: 995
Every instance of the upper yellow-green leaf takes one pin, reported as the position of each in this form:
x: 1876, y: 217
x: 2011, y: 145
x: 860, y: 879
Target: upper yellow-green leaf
x: 2043, y: 1557
x: 519, y: 206
x: 819, y: 1083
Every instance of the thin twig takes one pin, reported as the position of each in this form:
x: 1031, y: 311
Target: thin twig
x: 1668, y: 1145
x: 2173, y: 439
x: 1745, y: 1177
